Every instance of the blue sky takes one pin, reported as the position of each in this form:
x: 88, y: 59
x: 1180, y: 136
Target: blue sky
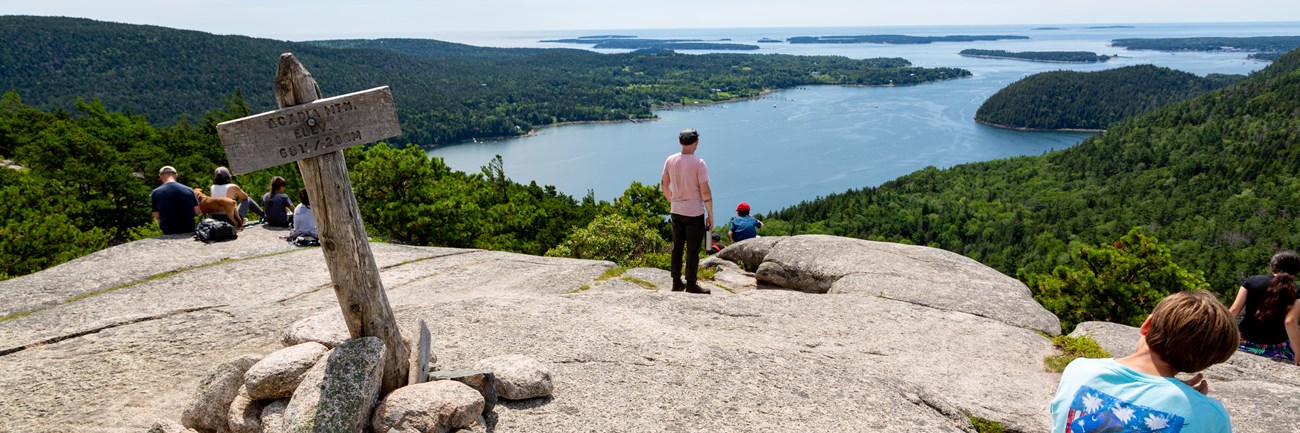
x: 288, y: 19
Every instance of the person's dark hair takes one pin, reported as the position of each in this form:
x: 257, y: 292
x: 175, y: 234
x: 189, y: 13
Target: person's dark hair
x: 277, y: 182
x: 742, y: 212
x: 302, y: 197
x: 688, y: 137
x: 1281, y: 292
x: 221, y: 176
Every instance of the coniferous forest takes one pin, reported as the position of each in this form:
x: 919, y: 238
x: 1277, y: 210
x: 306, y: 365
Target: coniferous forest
x: 1215, y: 180
x: 445, y: 92
x: 1092, y: 100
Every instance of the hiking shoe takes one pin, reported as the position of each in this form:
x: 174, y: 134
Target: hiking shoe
x: 697, y: 290
x: 678, y: 286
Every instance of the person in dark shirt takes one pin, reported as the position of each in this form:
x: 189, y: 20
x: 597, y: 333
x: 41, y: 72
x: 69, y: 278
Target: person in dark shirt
x: 174, y: 204
x: 715, y: 243
x: 277, y: 205
x: 1269, y: 326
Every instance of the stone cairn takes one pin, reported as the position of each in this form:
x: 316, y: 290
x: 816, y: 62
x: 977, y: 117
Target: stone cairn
x: 324, y: 381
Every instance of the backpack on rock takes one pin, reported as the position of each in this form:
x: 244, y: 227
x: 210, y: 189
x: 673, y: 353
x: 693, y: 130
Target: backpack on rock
x: 210, y: 230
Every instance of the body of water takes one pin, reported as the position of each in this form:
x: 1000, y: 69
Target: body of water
x: 798, y: 144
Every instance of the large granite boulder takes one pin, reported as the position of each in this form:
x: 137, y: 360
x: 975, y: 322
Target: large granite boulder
x: 921, y: 275
x: 209, y: 406
x: 277, y: 375
x: 273, y: 416
x: 518, y: 377
x: 621, y: 360
x: 326, y: 327
x: 245, y: 413
x: 439, y: 406
x: 337, y: 394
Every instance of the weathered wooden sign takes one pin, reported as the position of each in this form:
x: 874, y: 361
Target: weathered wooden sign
x: 303, y: 131
x: 314, y: 131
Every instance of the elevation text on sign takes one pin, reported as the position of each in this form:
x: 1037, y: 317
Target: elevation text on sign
x: 290, y: 134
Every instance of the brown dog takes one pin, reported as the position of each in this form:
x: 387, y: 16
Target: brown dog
x: 209, y: 205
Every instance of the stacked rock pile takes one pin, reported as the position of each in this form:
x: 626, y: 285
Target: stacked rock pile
x: 323, y: 381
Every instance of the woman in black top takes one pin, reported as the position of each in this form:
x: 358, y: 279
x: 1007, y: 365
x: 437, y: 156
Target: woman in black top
x: 1269, y: 326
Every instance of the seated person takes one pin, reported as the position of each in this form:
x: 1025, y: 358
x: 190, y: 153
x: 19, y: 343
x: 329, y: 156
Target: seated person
x: 277, y: 205
x: 1269, y: 327
x: 222, y: 187
x: 1186, y: 333
x: 715, y: 243
x: 304, y: 223
x: 174, y: 204
x: 743, y: 226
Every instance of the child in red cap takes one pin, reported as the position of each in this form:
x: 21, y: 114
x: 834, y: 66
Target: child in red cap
x: 743, y: 226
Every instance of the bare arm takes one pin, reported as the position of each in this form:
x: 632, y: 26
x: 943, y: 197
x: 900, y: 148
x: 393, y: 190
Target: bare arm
x: 236, y: 193
x: 155, y: 216
x: 1239, y: 303
x: 664, y: 183
x: 1293, y: 326
x: 706, y: 194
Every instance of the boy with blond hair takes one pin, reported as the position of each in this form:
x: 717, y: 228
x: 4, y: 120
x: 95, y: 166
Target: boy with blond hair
x: 1186, y: 333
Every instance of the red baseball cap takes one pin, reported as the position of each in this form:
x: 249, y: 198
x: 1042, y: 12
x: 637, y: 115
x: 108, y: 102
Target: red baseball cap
x: 742, y: 206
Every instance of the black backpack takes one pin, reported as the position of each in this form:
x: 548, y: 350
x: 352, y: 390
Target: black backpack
x: 210, y: 230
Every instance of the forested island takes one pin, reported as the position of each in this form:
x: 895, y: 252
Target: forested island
x: 1110, y: 27
x: 769, y: 41
x: 1254, y: 43
x: 445, y: 92
x: 896, y: 39
x: 635, y: 43
x: 1047, y: 28
x: 1092, y: 100
x: 1039, y: 56
x: 1265, y: 56
x: 1211, y: 185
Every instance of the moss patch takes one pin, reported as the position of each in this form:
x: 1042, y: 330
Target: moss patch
x: 1072, y: 348
x: 986, y: 425
x: 15, y: 316
x: 643, y: 283
x: 611, y: 273
x: 160, y: 276
x: 580, y: 289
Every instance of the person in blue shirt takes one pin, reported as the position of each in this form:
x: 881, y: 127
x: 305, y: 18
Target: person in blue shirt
x: 743, y: 226
x: 174, y: 204
x: 1186, y: 333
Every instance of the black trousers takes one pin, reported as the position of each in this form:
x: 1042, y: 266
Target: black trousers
x: 688, y: 232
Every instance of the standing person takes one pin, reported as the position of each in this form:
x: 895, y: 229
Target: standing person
x: 685, y: 183
x: 222, y: 187
x: 277, y: 205
x: 1269, y: 327
x: 174, y: 204
x: 743, y: 226
x: 1186, y: 333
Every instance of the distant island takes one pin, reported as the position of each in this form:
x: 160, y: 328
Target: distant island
x: 620, y: 42
x: 1257, y: 43
x: 769, y: 41
x: 1268, y: 56
x: 1071, y: 100
x: 1111, y: 27
x: 1047, y: 28
x: 896, y: 39
x: 1039, y: 56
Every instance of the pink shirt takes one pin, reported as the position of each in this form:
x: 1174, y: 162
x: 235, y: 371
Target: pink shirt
x: 685, y: 173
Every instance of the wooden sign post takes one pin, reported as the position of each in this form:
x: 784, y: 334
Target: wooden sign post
x: 314, y: 132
